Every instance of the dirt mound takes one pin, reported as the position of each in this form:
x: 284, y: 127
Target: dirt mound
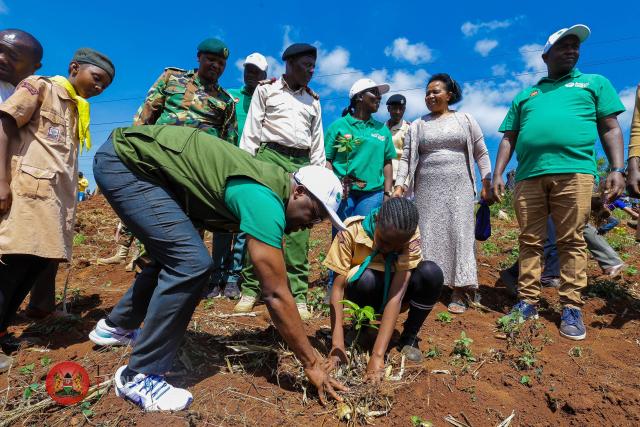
x: 231, y: 363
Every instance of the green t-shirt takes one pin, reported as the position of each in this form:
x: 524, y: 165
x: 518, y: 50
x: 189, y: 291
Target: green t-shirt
x: 242, y: 107
x: 556, y: 121
x: 260, y: 210
x: 373, y: 145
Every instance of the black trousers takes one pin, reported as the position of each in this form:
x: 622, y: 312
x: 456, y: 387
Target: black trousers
x: 423, y: 290
x: 18, y: 273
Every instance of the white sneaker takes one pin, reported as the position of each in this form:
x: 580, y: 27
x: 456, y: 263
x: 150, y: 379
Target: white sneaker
x: 245, y: 305
x: 104, y: 334
x: 152, y: 392
x: 305, y: 314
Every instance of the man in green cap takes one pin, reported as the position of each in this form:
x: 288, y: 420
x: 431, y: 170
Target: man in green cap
x: 190, y: 98
x: 193, y: 97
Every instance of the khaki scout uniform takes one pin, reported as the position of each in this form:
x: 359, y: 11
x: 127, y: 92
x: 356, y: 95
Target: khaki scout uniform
x: 352, y: 246
x: 179, y: 98
x: 44, y: 173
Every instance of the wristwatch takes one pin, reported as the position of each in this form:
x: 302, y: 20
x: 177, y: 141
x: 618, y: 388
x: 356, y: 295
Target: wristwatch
x: 388, y: 193
x: 620, y: 170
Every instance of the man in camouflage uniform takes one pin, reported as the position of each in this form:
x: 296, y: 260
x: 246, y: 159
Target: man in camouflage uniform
x: 188, y: 98
x: 193, y: 97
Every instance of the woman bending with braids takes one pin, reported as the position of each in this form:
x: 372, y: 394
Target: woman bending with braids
x: 378, y: 262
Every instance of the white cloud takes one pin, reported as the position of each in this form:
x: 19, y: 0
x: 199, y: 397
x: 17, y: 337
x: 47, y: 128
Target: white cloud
x: 534, y: 66
x: 628, y: 98
x: 488, y: 101
x: 499, y: 70
x: 335, y: 75
x: 469, y: 29
x: 286, y: 38
x: 402, y: 50
x: 4, y: 10
x: 485, y: 46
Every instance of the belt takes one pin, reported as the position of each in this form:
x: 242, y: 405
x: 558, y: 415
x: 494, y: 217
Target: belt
x: 287, y: 151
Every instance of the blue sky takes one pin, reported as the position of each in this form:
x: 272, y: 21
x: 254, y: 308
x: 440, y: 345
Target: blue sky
x: 492, y: 48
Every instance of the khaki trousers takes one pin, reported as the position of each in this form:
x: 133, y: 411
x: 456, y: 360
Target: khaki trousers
x: 567, y: 198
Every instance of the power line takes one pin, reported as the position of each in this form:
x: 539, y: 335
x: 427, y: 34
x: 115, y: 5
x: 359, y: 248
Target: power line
x: 487, y: 79
x: 319, y: 76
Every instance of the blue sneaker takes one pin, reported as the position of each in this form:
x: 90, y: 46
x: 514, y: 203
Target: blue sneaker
x: 232, y: 290
x: 527, y: 310
x: 571, y: 324
x: 212, y: 290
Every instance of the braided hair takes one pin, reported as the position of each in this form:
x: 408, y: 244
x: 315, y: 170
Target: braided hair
x: 400, y: 214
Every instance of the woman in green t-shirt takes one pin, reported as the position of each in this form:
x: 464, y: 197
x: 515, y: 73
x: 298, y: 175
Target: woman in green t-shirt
x: 360, y: 149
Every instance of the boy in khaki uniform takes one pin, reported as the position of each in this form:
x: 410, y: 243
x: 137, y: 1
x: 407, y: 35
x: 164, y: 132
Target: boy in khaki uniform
x: 42, y: 127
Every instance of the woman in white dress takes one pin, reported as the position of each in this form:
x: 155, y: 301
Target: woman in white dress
x: 438, y: 159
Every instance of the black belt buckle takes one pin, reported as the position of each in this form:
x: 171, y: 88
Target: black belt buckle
x: 287, y: 151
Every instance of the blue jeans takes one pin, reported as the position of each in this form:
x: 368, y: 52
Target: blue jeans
x: 166, y: 292
x: 228, y: 257
x: 359, y: 203
x: 81, y: 196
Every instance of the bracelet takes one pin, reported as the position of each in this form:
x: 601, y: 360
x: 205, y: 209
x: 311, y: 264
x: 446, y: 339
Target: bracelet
x: 619, y: 170
x: 388, y: 193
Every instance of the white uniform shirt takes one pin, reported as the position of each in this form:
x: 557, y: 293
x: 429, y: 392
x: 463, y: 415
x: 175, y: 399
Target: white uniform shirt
x: 398, y: 132
x: 286, y: 117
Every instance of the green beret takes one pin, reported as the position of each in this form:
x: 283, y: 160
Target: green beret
x: 214, y: 46
x: 86, y: 55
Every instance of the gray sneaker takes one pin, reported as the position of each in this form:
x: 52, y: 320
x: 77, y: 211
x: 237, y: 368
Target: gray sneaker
x: 5, y: 362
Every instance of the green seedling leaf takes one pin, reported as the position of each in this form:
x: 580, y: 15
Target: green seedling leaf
x: 525, y: 380
x: 28, y: 369
x: 444, y: 317
x: 45, y: 361
x: 29, y: 390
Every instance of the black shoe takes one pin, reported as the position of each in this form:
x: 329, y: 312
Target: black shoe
x: 10, y: 344
x: 409, y: 346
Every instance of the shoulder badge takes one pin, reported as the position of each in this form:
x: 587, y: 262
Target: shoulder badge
x: 175, y: 71
x: 29, y: 87
x: 270, y: 81
x: 312, y: 93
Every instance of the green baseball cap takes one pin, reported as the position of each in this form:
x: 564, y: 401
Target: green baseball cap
x: 214, y: 46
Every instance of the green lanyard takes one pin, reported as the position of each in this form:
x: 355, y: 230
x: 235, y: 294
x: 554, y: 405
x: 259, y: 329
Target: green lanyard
x: 369, y: 226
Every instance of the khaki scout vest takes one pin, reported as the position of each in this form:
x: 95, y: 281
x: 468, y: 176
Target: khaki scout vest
x: 195, y: 167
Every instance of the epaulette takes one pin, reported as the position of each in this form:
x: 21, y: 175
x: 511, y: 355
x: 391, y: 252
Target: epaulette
x: 175, y: 70
x: 312, y: 93
x: 270, y: 81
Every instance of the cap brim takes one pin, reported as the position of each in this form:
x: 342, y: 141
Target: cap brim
x: 383, y: 88
x: 581, y: 31
x: 335, y: 219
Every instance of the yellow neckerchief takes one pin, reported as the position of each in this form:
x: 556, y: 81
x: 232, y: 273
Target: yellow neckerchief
x: 83, y: 111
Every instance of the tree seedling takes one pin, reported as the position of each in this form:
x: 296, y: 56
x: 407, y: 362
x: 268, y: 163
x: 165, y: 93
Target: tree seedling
x: 417, y: 421
x: 444, y: 317
x: 27, y: 369
x: 525, y: 380
x: 462, y: 348
x: 29, y: 390
x: 433, y: 352
x: 359, y: 316
x: 575, y: 351
x: 45, y: 361
x: 346, y: 144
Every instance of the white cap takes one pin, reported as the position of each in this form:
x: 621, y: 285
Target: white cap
x: 326, y: 187
x: 581, y: 31
x: 364, y: 84
x: 258, y: 60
